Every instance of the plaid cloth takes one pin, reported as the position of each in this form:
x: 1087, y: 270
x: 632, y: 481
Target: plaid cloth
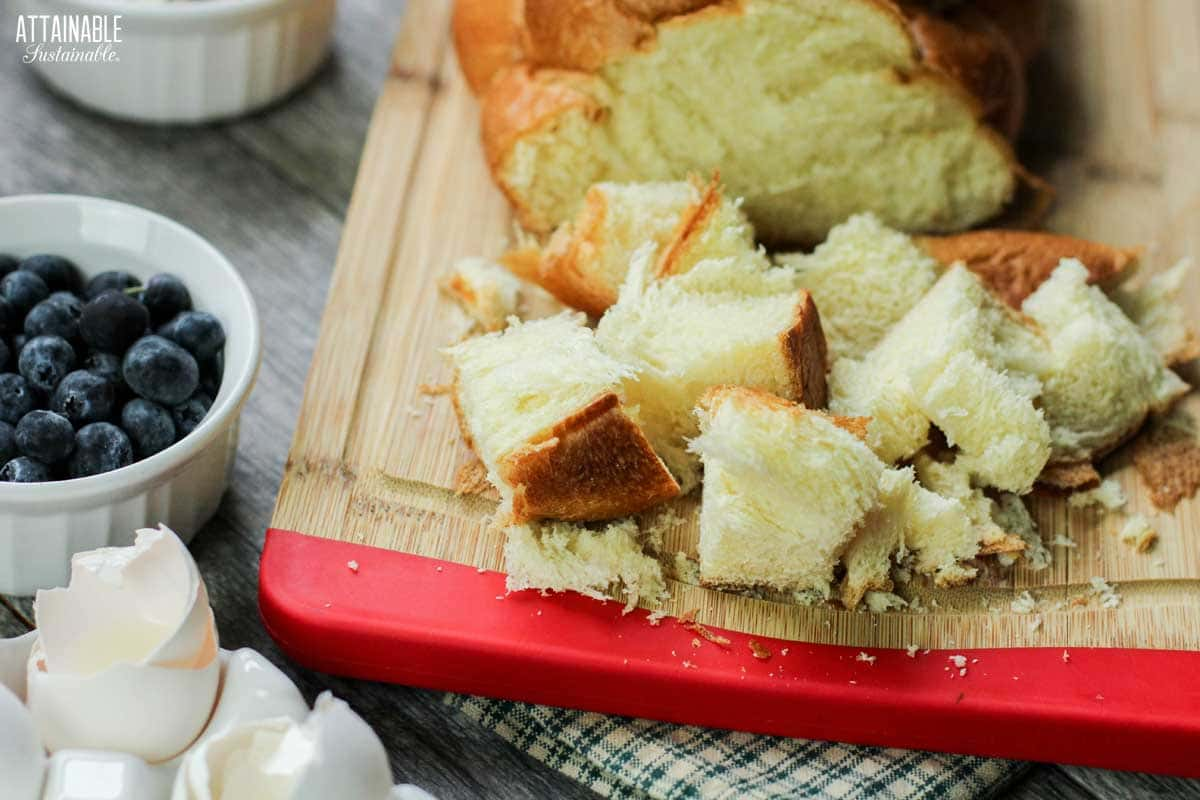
x: 637, y: 758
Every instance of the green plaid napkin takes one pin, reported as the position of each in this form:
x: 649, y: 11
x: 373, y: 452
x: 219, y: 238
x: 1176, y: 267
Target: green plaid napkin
x: 638, y: 758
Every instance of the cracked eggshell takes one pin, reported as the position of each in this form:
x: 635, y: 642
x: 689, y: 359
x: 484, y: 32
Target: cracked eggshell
x: 104, y: 775
x: 252, y: 688
x: 22, y: 759
x: 14, y: 654
x: 333, y: 753
x: 126, y: 658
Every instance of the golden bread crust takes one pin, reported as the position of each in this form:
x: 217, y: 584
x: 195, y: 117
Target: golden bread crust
x: 489, y: 36
x: 1070, y: 477
x: 563, y: 271
x: 595, y: 464
x: 691, y: 224
x: 806, y: 353
x: 1167, y: 458
x: 1014, y: 263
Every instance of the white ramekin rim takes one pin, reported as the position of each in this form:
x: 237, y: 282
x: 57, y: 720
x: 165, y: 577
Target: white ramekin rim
x: 135, y: 477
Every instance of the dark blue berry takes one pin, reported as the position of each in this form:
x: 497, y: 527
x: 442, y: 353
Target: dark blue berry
x: 106, y: 365
x: 16, y: 398
x: 23, y: 290
x: 45, y: 360
x: 112, y: 321
x: 45, y: 436
x: 8, y: 443
x: 7, y: 264
x: 10, y: 317
x: 148, y: 425
x: 50, y: 318
x: 160, y: 370
x: 165, y: 296
x: 69, y: 299
x: 99, y: 447
x: 55, y: 271
x: 116, y: 279
x: 84, y: 397
x: 24, y: 470
x: 5, y: 354
x: 198, y: 332
x: 211, y: 372
x: 187, y: 415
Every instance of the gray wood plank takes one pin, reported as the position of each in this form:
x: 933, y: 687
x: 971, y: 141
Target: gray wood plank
x: 1110, y: 785
x: 1045, y: 782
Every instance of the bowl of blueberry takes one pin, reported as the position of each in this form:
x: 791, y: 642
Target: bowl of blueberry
x: 128, y: 346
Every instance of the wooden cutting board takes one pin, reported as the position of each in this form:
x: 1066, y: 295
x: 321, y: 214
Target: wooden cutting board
x: 1116, y: 129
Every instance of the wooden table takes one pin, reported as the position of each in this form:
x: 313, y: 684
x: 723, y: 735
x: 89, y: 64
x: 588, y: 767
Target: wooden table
x: 271, y: 193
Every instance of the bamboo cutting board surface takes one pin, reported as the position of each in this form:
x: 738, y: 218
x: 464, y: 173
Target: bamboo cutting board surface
x: 1116, y: 129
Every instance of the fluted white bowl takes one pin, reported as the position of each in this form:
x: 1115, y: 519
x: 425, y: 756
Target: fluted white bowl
x: 193, y: 61
x: 43, y: 524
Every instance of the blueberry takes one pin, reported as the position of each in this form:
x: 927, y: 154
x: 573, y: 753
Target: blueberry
x: 55, y: 271
x: 113, y: 321
x: 165, y: 296
x: 69, y: 299
x: 84, y: 397
x: 45, y: 360
x: 45, y: 436
x: 5, y: 354
x: 51, y: 318
x: 7, y: 264
x: 198, y: 332
x: 106, y: 365
x: 211, y: 372
x: 188, y: 414
x: 116, y: 279
x: 23, y: 290
x: 99, y: 447
x: 8, y: 443
x: 16, y: 345
x: 148, y: 425
x: 16, y: 398
x: 160, y: 370
x: 10, y: 317
x: 24, y: 470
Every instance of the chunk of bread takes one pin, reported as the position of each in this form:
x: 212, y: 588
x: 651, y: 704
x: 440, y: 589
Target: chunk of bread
x: 864, y: 278
x: 587, y: 259
x: 563, y: 556
x: 960, y: 360
x: 486, y: 291
x: 812, y: 110
x: 725, y: 321
x: 1013, y: 263
x: 785, y: 489
x: 879, y: 537
x: 1101, y: 377
x: 542, y: 407
x: 1157, y: 310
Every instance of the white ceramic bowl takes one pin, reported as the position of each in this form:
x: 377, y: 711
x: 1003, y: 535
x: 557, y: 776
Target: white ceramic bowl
x: 43, y: 524
x: 192, y: 61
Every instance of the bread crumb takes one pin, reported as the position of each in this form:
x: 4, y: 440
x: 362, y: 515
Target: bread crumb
x: 1025, y: 603
x: 1108, y: 495
x: 1066, y: 657
x: 432, y: 389
x: 862, y: 656
x: 911, y: 651
x: 689, y: 665
x: 962, y: 673
x: 1036, y: 625
x: 655, y: 618
x: 438, y: 569
x: 1138, y: 533
x: 688, y: 623
x: 695, y: 641
x: 480, y: 570
x: 353, y: 565
x: 959, y: 660
x: 783, y: 652
x: 1106, y: 592
x: 759, y: 651
x: 1063, y: 541
x: 879, y: 602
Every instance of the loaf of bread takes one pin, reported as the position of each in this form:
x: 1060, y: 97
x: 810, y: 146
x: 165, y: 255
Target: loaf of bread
x: 586, y: 259
x: 812, y: 110
x: 542, y: 407
x: 602, y: 563
x: 785, y: 489
x: 725, y: 321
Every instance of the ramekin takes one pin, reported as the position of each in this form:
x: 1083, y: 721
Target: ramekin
x: 188, y: 62
x: 43, y: 524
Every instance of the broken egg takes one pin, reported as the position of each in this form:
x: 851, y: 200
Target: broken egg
x: 252, y: 688
x: 14, y: 655
x: 22, y: 759
x: 332, y: 753
x: 126, y: 658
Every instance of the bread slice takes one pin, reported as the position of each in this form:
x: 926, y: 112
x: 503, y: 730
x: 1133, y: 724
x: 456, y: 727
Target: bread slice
x: 960, y: 360
x: 1156, y: 309
x: 1101, y: 377
x: 785, y: 489
x: 586, y: 260
x: 811, y: 110
x: 485, y: 290
x: 1013, y: 263
x: 864, y: 277
x: 542, y: 407
x: 725, y: 321
x: 563, y: 556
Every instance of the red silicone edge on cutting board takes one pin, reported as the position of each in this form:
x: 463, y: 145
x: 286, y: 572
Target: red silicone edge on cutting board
x: 436, y: 624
